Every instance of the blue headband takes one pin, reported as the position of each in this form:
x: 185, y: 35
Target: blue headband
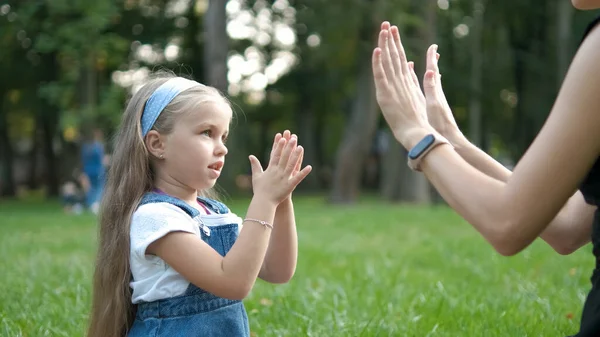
x: 161, y: 97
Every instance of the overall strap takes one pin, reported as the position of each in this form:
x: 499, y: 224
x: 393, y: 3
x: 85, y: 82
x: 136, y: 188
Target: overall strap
x: 214, y: 205
x: 153, y: 197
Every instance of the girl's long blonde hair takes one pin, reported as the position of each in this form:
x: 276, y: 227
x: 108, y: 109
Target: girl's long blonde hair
x: 128, y: 178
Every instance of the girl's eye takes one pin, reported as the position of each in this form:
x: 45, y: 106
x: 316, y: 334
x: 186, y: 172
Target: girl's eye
x: 206, y: 132
x: 224, y: 139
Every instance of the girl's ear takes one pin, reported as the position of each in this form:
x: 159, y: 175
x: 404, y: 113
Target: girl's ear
x: 155, y: 143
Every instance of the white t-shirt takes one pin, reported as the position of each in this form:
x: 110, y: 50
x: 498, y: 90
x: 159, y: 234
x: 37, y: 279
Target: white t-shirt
x: 153, y: 279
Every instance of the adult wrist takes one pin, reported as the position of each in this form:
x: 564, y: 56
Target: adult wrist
x: 424, y: 144
x: 458, y: 140
x: 411, y: 137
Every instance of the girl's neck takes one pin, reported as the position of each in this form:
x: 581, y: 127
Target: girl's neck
x: 189, y: 197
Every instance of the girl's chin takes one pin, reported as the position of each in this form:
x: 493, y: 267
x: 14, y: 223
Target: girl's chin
x: 209, y: 183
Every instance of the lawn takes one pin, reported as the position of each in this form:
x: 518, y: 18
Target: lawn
x: 367, y: 270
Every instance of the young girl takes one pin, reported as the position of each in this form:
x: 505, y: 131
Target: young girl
x: 172, y: 261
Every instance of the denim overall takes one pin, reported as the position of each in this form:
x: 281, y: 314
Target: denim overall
x: 196, y: 312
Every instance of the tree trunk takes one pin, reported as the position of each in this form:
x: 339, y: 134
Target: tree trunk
x: 320, y: 160
x: 7, y: 181
x: 533, y: 82
x: 521, y: 124
x: 391, y: 168
x: 357, y: 138
x: 49, y: 125
x: 88, y: 83
x: 306, y: 134
x: 216, y: 47
x: 87, y: 89
x: 475, y: 121
x: 563, y: 52
x: 359, y: 131
x: 33, y: 156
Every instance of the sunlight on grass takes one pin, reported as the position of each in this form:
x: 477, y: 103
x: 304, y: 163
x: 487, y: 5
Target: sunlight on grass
x: 366, y: 270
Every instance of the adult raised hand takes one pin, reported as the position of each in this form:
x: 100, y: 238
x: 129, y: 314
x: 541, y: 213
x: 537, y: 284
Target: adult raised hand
x: 439, y: 113
x: 398, y: 96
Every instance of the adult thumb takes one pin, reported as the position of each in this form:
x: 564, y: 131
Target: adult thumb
x: 255, y: 165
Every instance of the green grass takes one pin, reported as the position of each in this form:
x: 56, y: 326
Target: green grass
x: 367, y: 270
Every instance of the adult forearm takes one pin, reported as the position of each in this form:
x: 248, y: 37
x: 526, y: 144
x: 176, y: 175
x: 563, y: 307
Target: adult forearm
x: 481, y: 160
x: 483, y: 201
x: 564, y: 233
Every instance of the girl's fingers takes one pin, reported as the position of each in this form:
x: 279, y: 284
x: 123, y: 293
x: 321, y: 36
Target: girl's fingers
x: 275, y: 141
x: 287, y: 151
x: 299, y: 163
x: 293, y: 162
x: 276, y: 154
x: 300, y: 176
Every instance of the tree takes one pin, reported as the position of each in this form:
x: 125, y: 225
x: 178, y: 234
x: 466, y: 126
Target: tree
x: 360, y: 128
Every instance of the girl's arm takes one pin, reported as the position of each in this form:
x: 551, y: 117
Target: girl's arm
x: 281, y: 257
x: 279, y: 265
x: 232, y: 276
